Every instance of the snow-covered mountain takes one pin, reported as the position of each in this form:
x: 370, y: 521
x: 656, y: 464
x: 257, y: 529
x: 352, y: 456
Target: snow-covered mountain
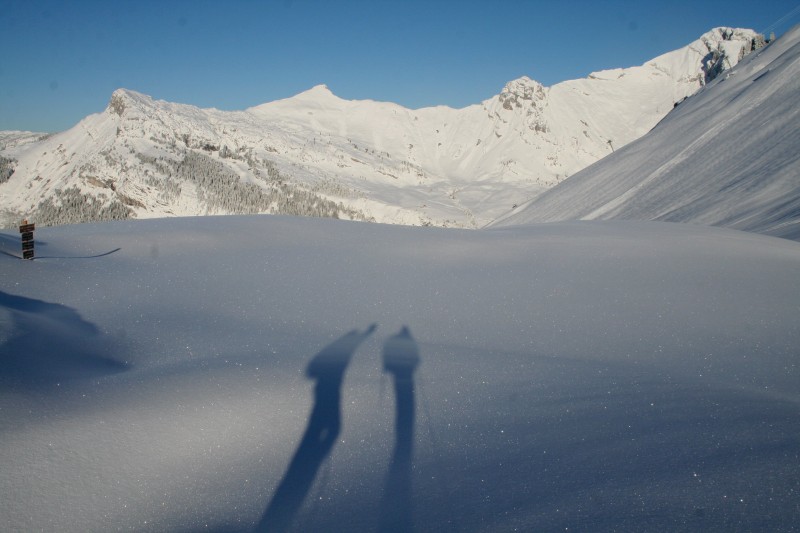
x: 317, y: 154
x: 728, y: 156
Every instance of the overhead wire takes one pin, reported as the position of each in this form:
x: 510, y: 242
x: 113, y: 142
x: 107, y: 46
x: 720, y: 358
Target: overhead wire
x: 785, y: 18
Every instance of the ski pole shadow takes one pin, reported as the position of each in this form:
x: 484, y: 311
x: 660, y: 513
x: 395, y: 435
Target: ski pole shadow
x: 400, y: 359
x: 324, y: 425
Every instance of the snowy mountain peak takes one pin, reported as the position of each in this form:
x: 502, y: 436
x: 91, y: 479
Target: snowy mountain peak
x: 317, y: 97
x: 322, y: 88
x: 123, y: 99
x: 705, y: 58
x: 725, y: 33
x: 517, y: 92
x: 317, y: 92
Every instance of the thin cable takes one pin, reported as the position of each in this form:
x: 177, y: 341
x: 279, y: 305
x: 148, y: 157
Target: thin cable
x: 788, y: 15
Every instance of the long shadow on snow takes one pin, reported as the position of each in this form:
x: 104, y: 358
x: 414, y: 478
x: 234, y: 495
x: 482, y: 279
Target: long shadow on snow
x: 11, y: 245
x: 400, y: 358
x: 43, y: 343
x: 324, y: 424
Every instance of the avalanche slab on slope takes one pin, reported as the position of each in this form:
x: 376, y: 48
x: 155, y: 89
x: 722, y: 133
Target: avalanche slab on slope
x: 728, y: 156
x: 585, y: 376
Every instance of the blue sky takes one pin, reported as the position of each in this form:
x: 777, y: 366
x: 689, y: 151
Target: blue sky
x: 61, y: 60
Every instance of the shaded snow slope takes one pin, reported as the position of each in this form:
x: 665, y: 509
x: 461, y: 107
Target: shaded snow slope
x: 317, y: 154
x: 584, y: 376
x: 728, y: 156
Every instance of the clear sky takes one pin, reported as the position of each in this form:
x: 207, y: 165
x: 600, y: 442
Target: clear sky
x: 61, y: 60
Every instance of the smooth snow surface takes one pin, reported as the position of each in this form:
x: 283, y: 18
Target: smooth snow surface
x: 584, y: 376
x: 727, y: 156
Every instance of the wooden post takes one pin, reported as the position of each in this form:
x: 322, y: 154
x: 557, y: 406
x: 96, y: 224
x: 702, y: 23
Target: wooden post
x: 26, y: 231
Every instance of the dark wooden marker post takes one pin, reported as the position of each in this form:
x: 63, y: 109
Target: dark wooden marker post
x: 27, y: 239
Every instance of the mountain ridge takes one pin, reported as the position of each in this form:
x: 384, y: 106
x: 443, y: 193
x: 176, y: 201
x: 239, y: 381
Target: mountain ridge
x: 358, y: 159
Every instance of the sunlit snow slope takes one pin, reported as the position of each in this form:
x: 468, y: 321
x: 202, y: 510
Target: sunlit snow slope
x: 317, y: 154
x: 728, y: 156
x: 584, y: 376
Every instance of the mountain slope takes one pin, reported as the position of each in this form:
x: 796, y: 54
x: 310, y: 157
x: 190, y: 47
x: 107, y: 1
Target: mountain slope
x: 318, y: 154
x: 728, y: 156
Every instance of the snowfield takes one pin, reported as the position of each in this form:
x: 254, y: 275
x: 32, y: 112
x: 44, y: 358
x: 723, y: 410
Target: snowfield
x: 584, y: 376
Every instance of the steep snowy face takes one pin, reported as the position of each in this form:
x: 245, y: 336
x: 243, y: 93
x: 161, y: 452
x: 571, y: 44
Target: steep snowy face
x: 727, y: 156
x: 719, y: 49
x: 317, y: 154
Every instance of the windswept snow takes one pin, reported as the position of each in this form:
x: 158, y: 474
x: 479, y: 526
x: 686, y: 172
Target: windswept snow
x: 728, y: 156
x: 581, y: 376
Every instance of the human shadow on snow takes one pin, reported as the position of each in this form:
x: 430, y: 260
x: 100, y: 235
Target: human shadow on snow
x: 324, y: 424
x: 400, y: 359
x: 42, y: 343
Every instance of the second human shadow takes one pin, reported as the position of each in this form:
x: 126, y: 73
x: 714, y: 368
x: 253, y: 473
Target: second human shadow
x: 400, y: 359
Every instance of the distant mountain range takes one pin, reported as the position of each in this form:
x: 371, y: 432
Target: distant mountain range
x: 728, y: 156
x: 316, y: 154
